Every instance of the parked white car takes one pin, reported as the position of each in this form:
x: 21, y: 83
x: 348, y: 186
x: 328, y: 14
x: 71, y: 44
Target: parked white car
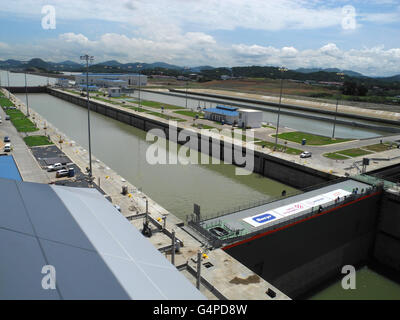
x: 55, y: 167
x: 306, y: 154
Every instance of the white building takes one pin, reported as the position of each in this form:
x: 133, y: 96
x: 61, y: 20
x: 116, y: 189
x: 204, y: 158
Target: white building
x: 111, y: 79
x: 223, y: 114
x: 62, y: 82
x: 114, y: 91
x: 250, y: 118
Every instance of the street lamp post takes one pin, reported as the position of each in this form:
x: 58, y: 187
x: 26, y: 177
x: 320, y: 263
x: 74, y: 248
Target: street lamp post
x: 187, y: 83
x: 282, y: 70
x: 341, y: 75
x: 26, y: 95
x: 88, y: 59
x: 8, y: 83
x: 139, y: 66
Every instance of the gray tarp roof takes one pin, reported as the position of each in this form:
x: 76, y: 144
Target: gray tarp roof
x: 96, y: 252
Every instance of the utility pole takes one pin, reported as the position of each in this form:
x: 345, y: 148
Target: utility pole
x: 8, y: 80
x: 282, y: 70
x: 187, y: 83
x: 26, y: 95
x: 88, y: 59
x: 341, y: 77
x: 139, y: 66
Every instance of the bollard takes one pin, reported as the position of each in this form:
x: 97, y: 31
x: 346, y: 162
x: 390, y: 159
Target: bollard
x: 147, y: 206
x: 165, y: 222
x: 173, y: 248
x: 198, y: 270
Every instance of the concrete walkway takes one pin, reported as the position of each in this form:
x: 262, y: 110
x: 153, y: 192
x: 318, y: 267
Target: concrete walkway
x: 26, y: 162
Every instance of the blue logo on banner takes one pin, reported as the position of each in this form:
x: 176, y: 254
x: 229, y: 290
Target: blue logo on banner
x: 264, y: 218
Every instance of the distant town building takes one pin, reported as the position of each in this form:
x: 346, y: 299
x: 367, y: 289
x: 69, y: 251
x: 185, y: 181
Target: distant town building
x: 111, y: 79
x: 114, y: 91
x: 91, y: 88
x: 225, y: 77
x: 62, y: 82
x: 250, y: 118
x: 228, y: 115
x: 244, y: 118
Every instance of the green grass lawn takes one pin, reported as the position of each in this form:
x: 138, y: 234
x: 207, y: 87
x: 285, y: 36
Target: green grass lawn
x: 188, y: 113
x: 356, y: 152
x: 312, y: 139
x: 271, y: 145
x: 4, y: 102
x: 335, y: 156
x: 378, y: 147
x: 136, y: 109
x: 33, y: 141
x: 20, y: 121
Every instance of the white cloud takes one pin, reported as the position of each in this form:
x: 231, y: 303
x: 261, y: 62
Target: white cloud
x: 205, y: 14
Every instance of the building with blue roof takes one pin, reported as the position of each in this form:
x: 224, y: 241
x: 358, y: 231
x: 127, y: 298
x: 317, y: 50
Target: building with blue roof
x: 244, y: 118
x: 112, y: 79
x: 223, y: 114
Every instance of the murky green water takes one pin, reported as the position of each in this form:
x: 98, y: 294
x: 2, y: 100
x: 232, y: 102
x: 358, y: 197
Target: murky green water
x: 369, y: 286
x: 175, y: 187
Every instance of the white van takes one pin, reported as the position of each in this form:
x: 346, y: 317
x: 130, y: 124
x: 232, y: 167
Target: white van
x: 7, y: 147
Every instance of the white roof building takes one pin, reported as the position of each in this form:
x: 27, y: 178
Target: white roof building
x: 96, y: 252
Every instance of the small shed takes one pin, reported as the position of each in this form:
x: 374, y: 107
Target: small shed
x: 114, y: 91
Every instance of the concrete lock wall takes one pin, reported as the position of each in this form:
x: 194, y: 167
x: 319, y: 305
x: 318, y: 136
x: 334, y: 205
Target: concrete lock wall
x: 300, y: 257
x: 387, y: 244
x: 281, y: 170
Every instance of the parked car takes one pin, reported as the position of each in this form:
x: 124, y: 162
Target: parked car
x: 55, y: 167
x: 306, y: 154
x: 7, y: 117
x: 62, y: 173
x: 7, y: 139
x: 7, y: 147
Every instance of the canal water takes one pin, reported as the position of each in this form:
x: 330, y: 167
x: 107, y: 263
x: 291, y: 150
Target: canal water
x: 18, y: 79
x: 369, y: 286
x: 294, y: 122
x: 301, y: 124
x: 175, y: 187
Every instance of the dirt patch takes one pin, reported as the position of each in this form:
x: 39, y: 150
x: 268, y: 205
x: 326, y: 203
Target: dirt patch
x: 250, y: 279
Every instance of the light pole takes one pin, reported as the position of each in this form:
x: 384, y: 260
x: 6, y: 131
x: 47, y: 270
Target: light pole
x: 341, y: 75
x: 8, y: 81
x: 139, y: 66
x: 186, y: 103
x: 282, y: 70
x: 26, y: 94
x: 88, y: 59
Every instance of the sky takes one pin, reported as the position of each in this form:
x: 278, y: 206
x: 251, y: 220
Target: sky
x: 358, y: 35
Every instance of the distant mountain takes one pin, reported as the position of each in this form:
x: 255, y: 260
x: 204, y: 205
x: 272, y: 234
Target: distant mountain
x: 349, y: 73
x: 201, y: 68
x: 391, y: 79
